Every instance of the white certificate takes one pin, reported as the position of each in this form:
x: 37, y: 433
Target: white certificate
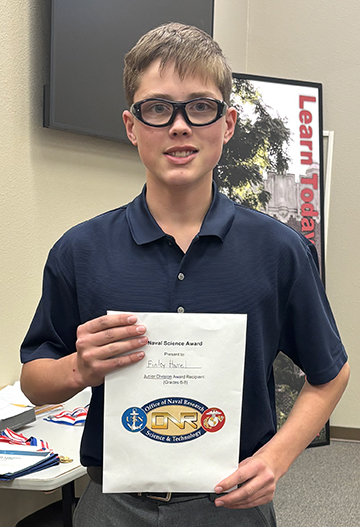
x: 172, y: 420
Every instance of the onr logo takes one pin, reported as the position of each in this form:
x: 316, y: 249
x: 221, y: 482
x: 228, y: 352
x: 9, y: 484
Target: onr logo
x: 160, y: 420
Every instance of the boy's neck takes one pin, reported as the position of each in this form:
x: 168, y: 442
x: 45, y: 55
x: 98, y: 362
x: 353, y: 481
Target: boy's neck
x: 180, y: 211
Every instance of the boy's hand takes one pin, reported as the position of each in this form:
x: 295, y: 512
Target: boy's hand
x: 101, y: 345
x: 257, y: 480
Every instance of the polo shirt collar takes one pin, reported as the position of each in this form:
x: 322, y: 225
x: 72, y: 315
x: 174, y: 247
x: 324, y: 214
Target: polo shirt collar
x: 144, y: 228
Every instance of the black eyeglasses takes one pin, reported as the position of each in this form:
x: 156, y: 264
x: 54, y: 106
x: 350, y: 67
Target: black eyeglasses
x: 196, y: 112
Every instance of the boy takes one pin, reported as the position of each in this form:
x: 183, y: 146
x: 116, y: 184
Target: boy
x: 182, y: 246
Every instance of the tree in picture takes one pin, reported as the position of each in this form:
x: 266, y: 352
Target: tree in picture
x: 259, y: 144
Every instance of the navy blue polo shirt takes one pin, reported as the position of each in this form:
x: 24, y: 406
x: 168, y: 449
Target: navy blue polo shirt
x: 241, y: 261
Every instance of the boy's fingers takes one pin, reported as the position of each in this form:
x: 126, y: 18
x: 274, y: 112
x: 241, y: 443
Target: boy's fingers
x: 109, y: 321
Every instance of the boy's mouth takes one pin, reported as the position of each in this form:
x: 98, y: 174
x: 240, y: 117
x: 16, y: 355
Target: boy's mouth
x: 181, y: 152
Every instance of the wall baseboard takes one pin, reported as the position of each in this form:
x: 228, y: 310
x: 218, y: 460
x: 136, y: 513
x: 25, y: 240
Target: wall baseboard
x: 349, y: 434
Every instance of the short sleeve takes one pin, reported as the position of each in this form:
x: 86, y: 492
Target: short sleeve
x: 309, y: 334
x: 52, y: 333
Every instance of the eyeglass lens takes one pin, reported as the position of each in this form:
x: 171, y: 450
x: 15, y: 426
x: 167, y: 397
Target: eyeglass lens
x: 199, y: 111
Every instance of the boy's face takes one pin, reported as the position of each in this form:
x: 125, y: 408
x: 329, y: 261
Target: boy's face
x: 178, y: 154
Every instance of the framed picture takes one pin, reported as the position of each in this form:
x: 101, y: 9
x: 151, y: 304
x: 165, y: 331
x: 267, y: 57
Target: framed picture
x: 274, y: 163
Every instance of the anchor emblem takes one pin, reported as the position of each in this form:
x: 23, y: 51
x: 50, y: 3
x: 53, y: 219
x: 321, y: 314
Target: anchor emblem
x: 134, y: 419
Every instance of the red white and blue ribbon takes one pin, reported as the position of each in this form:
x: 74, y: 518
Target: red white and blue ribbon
x: 12, y: 438
x: 76, y: 417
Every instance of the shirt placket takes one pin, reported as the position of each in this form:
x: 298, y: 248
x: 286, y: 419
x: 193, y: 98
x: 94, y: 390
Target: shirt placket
x: 180, y: 274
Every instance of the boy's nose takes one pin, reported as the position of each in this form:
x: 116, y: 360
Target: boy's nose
x: 179, y: 125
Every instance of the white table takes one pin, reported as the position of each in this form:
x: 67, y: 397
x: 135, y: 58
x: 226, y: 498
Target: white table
x: 65, y: 441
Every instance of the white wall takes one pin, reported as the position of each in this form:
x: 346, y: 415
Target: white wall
x: 51, y: 180
x: 319, y: 42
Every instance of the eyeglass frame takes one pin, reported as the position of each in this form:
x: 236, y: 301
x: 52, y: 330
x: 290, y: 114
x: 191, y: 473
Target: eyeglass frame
x: 178, y: 106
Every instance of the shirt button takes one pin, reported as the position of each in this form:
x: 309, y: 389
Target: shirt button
x: 180, y: 309
x: 181, y: 276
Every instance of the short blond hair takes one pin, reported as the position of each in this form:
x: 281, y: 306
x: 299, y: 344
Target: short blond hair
x: 192, y: 51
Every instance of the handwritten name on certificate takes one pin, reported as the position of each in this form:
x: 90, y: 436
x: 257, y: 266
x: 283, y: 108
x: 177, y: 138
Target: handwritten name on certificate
x: 172, y: 420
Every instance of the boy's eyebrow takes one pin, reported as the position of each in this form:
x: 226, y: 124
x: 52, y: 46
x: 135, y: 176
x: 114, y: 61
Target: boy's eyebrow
x: 194, y: 95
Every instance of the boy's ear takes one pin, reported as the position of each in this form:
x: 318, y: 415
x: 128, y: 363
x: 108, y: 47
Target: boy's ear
x: 230, y: 120
x: 128, y: 119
